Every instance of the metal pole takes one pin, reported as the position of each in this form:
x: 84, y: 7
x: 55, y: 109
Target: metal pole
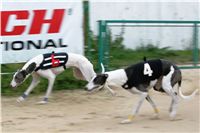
x: 104, y: 42
x: 101, y: 42
x: 107, y: 48
x: 87, y: 39
x: 100, y: 48
x: 195, y: 46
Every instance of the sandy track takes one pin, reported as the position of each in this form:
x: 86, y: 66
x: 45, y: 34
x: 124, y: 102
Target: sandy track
x: 77, y: 111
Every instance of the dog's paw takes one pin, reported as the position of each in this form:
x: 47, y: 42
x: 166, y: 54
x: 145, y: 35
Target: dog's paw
x: 20, y: 99
x: 172, y: 116
x: 156, y: 115
x: 42, y: 102
x: 126, y: 121
x: 129, y: 120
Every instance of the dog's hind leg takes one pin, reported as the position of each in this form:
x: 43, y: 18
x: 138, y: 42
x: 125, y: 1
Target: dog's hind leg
x: 166, y: 85
x: 34, y: 83
x: 173, y: 106
x: 148, y: 98
x: 143, y: 95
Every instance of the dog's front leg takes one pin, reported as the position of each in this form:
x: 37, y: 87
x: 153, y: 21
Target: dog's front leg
x: 34, y: 83
x: 143, y: 95
x: 51, y: 78
x: 148, y: 98
x: 110, y: 90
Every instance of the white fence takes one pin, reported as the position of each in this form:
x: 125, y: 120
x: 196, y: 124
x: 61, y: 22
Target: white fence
x: 174, y: 37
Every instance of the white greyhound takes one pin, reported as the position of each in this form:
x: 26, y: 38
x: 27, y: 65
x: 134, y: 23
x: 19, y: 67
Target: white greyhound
x: 49, y: 65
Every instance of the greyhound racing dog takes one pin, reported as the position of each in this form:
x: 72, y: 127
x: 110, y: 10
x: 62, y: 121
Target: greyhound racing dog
x: 139, y: 78
x: 48, y: 66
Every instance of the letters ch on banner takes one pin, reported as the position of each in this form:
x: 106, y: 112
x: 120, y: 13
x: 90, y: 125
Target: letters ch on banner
x: 36, y: 24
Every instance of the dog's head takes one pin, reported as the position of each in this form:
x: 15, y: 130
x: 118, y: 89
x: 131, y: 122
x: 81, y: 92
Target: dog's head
x: 98, y: 81
x: 20, y: 76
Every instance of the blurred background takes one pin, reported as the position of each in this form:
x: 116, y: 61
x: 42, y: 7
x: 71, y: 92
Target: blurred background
x: 117, y: 34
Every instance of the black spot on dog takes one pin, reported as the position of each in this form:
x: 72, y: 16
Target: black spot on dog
x: 31, y: 67
x: 100, y: 79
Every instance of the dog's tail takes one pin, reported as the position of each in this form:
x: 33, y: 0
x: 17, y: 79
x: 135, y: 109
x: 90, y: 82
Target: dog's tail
x: 186, y: 97
x: 102, y: 68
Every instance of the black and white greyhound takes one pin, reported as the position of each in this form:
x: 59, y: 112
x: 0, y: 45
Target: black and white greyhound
x: 48, y: 66
x: 139, y: 78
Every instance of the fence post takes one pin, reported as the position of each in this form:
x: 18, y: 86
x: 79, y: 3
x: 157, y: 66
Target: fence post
x: 87, y: 32
x: 100, y: 47
x: 107, y: 47
x: 101, y: 42
x: 195, y: 45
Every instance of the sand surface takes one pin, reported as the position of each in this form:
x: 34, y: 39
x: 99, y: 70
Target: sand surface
x: 78, y: 111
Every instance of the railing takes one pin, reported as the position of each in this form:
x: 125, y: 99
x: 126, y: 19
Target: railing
x: 103, y: 46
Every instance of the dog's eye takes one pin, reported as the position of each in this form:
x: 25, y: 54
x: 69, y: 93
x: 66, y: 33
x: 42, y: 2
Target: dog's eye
x: 95, y: 80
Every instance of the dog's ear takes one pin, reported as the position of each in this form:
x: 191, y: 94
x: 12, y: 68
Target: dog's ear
x: 104, y: 78
x: 31, y: 68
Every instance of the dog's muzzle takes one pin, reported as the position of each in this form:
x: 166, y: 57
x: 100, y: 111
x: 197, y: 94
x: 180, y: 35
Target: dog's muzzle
x: 13, y: 87
x: 94, y: 89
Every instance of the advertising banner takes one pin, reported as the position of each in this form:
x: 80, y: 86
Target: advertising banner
x: 32, y: 28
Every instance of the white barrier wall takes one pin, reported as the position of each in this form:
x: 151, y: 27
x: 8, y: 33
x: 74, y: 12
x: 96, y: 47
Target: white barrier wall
x: 176, y: 38
x: 31, y: 28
